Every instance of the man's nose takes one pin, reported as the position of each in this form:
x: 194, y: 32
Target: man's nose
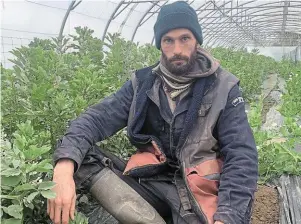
x: 177, y: 48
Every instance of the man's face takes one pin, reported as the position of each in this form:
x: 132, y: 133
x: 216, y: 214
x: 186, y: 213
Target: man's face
x: 179, y: 48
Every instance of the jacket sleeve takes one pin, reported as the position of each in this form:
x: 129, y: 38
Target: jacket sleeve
x: 238, y: 181
x: 96, y: 124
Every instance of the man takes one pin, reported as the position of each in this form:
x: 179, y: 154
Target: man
x: 196, y: 159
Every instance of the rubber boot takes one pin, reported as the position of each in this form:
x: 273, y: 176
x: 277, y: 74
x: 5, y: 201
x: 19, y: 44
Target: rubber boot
x: 122, y: 201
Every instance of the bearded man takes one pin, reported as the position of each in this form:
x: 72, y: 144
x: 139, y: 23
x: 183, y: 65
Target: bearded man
x: 196, y: 159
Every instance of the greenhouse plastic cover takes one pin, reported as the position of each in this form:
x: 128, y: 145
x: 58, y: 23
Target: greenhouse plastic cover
x: 228, y: 23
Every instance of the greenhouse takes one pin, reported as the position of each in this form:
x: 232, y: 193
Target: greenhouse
x: 272, y: 26
x: 61, y: 59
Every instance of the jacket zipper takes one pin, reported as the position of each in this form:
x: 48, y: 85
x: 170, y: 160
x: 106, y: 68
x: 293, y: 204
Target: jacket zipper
x: 171, y: 137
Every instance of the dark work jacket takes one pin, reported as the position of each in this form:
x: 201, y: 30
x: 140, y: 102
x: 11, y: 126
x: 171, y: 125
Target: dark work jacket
x: 159, y: 119
x: 215, y: 148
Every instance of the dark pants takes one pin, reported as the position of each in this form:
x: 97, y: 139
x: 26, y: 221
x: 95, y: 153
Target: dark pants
x: 162, y: 194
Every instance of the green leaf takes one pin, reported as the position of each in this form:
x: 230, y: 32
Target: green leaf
x: 20, y: 142
x: 16, y: 163
x: 24, y: 187
x: 12, y: 221
x: 26, y: 128
x: 10, y: 181
x: 34, y: 151
x: 79, y: 218
x: 11, y: 172
x: 30, y: 167
x: 47, y: 185
x: 44, y: 167
x: 15, y: 211
x: 31, y: 196
x: 11, y: 197
x: 5, y: 209
x: 49, y: 194
x: 31, y: 206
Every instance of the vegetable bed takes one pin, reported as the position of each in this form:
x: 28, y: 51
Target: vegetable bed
x: 53, y: 81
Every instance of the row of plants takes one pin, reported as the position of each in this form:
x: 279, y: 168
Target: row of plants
x: 53, y: 81
x: 291, y: 106
x: 281, y: 157
x: 276, y: 156
x: 275, y: 148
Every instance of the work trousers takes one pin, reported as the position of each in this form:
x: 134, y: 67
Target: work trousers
x: 160, y: 191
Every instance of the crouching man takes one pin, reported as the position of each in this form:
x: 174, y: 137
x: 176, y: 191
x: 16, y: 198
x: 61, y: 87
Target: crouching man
x: 196, y: 159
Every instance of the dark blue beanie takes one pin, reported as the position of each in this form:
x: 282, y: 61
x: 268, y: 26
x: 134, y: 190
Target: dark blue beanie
x: 174, y: 16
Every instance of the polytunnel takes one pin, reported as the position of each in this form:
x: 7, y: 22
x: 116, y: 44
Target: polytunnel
x: 227, y: 23
x: 52, y: 72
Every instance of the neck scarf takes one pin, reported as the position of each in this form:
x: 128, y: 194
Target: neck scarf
x: 204, y: 66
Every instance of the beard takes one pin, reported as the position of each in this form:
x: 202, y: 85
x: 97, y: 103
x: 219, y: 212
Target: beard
x: 180, y: 68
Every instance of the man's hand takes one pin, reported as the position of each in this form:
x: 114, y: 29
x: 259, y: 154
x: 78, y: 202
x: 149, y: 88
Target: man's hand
x: 218, y: 222
x: 63, y: 205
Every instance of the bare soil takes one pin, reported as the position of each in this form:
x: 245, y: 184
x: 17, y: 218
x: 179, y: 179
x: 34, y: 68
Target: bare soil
x: 266, y: 206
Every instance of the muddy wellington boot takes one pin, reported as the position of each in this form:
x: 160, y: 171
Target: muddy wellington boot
x: 122, y: 201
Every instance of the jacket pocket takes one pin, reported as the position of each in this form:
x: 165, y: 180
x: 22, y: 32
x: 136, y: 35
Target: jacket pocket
x: 204, y: 186
x: 149, y: 162
x: 201, y: 130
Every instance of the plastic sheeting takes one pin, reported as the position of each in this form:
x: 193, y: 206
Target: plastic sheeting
x: 289, y: 189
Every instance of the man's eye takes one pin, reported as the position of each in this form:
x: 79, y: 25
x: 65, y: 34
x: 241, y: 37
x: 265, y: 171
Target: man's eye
x: 185, y: 39
x: 168, y: 41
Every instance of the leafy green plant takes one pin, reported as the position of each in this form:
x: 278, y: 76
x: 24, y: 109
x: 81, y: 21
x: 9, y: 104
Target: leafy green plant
x: 250, y: 68
x: 53, y: 81
x: 291, y: 106
x: 287, y: 68
x: 276, y: 159
x: 87, y: 47
x: 276, y: 156
x: 24, y: 168
x: 119, y: 145
x: 254, y: 115
x: 50, y: 89
x: 44, y: 44
x: 79, y: 218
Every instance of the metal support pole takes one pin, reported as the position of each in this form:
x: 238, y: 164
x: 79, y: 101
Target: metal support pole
x: 110, y: 20
x: 70, y: 8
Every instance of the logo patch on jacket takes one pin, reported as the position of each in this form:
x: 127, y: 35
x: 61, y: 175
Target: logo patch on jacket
x: 237, y: 101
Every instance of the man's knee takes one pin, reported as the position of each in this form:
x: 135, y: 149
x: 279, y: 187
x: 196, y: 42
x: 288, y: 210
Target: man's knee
x: 122, y: 200
x: 92, y: 164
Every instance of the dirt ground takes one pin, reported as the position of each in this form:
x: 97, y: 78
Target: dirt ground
x: 266, y: 207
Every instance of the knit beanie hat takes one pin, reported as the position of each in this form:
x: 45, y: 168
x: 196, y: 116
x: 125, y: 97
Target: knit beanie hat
x: 177, y: 15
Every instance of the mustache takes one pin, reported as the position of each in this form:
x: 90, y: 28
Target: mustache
x: 179, y: 57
